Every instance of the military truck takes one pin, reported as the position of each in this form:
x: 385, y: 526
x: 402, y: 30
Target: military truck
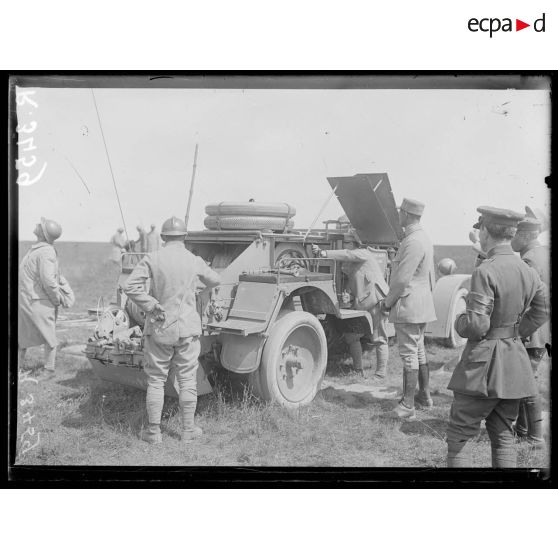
x: 278, y: 308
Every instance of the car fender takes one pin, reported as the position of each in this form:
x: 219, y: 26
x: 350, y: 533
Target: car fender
x: 444, y: 292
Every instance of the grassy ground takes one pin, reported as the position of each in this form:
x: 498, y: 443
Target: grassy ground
x: 76, y: 419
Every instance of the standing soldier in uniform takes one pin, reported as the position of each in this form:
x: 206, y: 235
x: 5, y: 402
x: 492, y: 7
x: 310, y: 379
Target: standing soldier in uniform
x: 507, y: 301
x: 153, y: 240
x: 118, y: 243
x: 411, y: 306
x: 368, y: 287
x: 172, y: 324
x: 525, y: 241
x: 40, y: 294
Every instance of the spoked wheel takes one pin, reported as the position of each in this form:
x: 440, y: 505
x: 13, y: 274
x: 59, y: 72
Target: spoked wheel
x: 458, y: 306
x: 293, y: 361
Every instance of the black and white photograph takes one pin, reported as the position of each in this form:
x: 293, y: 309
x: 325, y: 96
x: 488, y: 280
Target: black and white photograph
x: 288, y: 271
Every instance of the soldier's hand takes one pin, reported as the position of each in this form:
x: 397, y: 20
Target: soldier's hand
x: 159, y: 313
x: 383, y: 308
x: 345, y: 297
x: 316, y: 250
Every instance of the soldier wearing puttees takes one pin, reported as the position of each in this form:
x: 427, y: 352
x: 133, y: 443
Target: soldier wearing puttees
x: 172, y: 325
x: 529, y: 420
x: 41, y: 291
x: 411, y: 306
x: 507, y: 301
x: 367, y: 285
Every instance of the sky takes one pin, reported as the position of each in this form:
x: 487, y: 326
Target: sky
x: 452, y: 149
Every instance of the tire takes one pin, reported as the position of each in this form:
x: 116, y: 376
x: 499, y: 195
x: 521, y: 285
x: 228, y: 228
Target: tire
x: 254, y: 209
x: 458, y: 305
x: 247, y: 222
x: 299, y: 337
x: 285, y: 250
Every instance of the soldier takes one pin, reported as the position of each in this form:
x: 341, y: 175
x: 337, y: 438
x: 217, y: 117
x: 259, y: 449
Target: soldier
x: 411, y: 306
x: 140, y: 245
x: 368, y: 287
x: 507, y: 301
x: 118, y: 243
x: 172, y: 324
x: 525, y: 241
x: 39, y: 294
x: 153, y: 240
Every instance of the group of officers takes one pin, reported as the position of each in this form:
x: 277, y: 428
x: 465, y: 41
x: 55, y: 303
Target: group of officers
x: 505, y: 323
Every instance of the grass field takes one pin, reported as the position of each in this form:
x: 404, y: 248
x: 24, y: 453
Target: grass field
x: 74, y: 418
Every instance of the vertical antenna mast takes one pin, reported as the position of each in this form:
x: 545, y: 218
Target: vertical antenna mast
x: 191, y: 186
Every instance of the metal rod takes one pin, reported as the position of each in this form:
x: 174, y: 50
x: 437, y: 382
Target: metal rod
x: 320, y: 212
x: 110, y: 167
x: 191, y: 186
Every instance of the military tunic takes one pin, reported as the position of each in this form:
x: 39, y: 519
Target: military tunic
x: 410, y: 297
x: 538, y: 257
x: 507, y: 301
x: 412, y: 279
x: 39, y: 296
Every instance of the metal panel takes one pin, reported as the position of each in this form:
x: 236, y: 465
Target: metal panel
x: 368, y: 201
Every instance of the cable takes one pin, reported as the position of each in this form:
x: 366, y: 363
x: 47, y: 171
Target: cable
x: 110, y: 167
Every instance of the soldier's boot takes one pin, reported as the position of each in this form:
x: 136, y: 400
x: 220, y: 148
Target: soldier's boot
x: 152, y: 434
x: 189, y: 430
x: 406, y: 407
x: 154, y: 403
x: 355, y: 350
x: 382, y: 356
x: 520, y: 427
x: 423, y: 396
x: 50, y: 357
x: 503, y: 456
x: 459, y: 454
x: 533, y: 417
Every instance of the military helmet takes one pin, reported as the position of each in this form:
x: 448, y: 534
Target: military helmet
x: 51, y: 229
x: 174, y: 227
x: 447, y: 266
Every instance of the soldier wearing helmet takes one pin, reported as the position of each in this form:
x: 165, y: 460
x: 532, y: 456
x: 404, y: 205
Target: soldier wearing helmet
x: 529, y: 421
x: 507, y: 301
x: 172, y: 325
x: 41, y: 291
x: 410, y: 305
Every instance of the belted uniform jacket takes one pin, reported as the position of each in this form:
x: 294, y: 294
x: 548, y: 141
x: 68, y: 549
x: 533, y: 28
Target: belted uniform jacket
x: 172, y: 273
x: 507, y: 301
x: 538, y: 257
x: 412, y: 279
x: 365, y: 278
x: 39, y: 296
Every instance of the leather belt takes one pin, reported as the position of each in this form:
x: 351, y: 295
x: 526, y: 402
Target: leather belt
x: 506, y: 332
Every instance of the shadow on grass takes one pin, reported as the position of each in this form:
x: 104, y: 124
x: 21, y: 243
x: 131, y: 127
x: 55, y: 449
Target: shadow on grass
x: 355, y: 400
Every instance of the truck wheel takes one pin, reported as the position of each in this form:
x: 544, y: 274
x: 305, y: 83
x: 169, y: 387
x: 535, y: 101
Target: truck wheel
x: 457, y: 307
x: 293, y: 360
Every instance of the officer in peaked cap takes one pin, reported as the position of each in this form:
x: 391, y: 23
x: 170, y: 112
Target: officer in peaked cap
x: 172, y: 325
x: 507, y: 301
x: 410, y: 305
x: 525, y: 241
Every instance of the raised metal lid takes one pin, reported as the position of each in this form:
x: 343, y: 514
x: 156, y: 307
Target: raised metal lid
x: 368, y: 201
